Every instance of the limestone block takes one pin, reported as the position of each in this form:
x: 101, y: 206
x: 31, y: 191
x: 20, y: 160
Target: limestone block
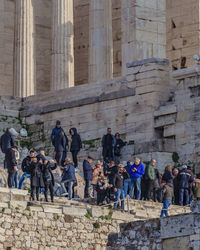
x: 73, y: 211
x: 165, y: 110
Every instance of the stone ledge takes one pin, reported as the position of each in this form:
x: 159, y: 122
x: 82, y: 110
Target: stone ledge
x: 146, y: 61
x: 186, y: 73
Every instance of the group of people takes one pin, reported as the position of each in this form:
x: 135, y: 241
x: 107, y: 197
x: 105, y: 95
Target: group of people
x: 106, y: 181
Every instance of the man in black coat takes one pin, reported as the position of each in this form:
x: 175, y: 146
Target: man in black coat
x: 7, y: 141
x: 108, y: 143
x: 76, y: 145
x: 11, y: 163
x: 60, y: 146
x: 87, y: 171
x: 184, y: 180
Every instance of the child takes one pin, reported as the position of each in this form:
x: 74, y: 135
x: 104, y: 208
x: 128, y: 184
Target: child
x: 168, y: 193
x: 48, y: 178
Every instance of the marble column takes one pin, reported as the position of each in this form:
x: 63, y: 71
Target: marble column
x: 100, y: 40
x: 24, y: 83
x: 62, y: 45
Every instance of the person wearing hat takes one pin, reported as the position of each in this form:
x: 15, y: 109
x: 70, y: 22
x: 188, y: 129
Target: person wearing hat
x: 68, y: 177
x: 25, y: 166
x: 118, y: 184
x: 87, y: 172
x: 184, y: 179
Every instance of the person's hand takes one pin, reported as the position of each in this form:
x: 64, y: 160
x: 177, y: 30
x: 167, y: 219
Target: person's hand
x: 115, y: 189
x: 15, y: 168
x: 133, y: 169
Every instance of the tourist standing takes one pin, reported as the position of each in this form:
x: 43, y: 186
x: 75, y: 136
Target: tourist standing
x: 76, y: 145
x: 118, y: 184
x: 87, y: 172
x: 11, y: 163
x: 176, y: 188
x: 136, y: 172
x: 119, y: 144
x: 167, y: 197
x: 60, y: 146
x: 150, y: 176
x: 127, y: 182
x: 108, y: 144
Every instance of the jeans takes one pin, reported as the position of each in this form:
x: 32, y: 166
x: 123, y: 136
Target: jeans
x: 87, y: 185
x: 23, y: 177
x: 119, y: 195
x: 166, y: 204
x: 128, y: 187
x: 69, y: 184
x: 183, y: 196
x: 14, y: 181
x: 137, y: 182
x: 74, y: 156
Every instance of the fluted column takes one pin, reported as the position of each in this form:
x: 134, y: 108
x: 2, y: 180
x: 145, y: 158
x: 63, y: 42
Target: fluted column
x: 24, y: 83
x: 62, y: 45
x: 100, y: 40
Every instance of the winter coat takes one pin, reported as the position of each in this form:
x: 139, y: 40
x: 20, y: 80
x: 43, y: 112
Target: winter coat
x: 97, y: 172
x: 111, y: 171
x: 47, y: 172
x: 118, y: 180
x: 68, y: 173
x: 140, y: 171
x: 176, y: 185
x: 87, y: 170
x: 55, y: 131
x: 168, y: 177
x: 156, y: 182
x: 127, y: 167
x: 168, y: 191
x: 150, y: 173
x: 60, y: 142
x: 184, y: 179
x: 76, y: 143
x: 26, y: 164
x: 36, y: 173
x: 108, y: 141
x: 40, y: 157
x: 10, y: 160
x: 117, y: 150
x: 197, y: 189
x: 7, y: 141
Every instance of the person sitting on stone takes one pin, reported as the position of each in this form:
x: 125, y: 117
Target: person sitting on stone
x: 48, y: 178
x: 118, y: 184
x: 108, y: 143
x: 25, y: 166
x: 68, y: 177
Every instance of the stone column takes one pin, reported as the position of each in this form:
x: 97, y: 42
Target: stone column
x: 100, y: 40
x: 143, y: 30
x: 62, y: 45
x: 24, y: 83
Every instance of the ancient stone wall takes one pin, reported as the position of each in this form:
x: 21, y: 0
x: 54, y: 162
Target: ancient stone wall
x: 182, y: 32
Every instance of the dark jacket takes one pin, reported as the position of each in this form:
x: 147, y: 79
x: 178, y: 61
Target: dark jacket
x: 68, y: 172
x: 40, y: 157
x: 118, y: 180
x: 47, y: 172
x: 7, y: 141
x: 176, y: 184
x: 140, y: 171
x: 26, y: 164
x: 76, y: 143
x: 156, y: 182
x: 168, y: 177
x: 10, y: 160
x: 55, y: 131
x: 127, y: 167
x: 87, y: 170
x: 60, y: 142
x: 184, y: 179
x: 117, y: 150
x: 168, y: 191
x: 111, y: 171
x: 36, y: 174
x: 108, y: 141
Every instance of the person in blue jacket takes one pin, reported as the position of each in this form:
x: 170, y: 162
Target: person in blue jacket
x: 136, y: 172
x: 87, y: 171
x: 56, y: 131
